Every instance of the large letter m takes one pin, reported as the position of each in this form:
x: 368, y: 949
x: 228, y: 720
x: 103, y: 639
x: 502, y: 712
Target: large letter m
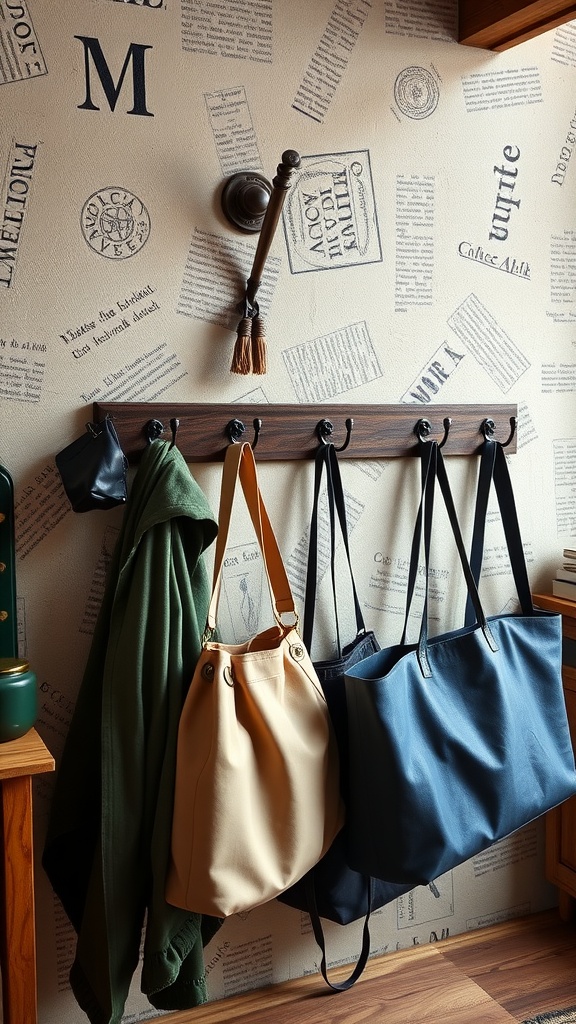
x: 135, y: 56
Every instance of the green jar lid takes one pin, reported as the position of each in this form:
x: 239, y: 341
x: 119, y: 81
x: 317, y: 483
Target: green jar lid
x: 13, y: 666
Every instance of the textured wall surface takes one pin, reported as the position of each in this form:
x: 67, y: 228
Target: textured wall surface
x: 427, y: 253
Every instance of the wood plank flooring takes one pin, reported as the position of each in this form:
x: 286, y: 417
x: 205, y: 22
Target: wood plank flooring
x: 528, y: 966
x: 498, y: 975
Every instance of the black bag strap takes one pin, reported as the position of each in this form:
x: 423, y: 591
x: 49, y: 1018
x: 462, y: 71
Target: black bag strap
x: 494, y: 467
x: 339, y: 986
x: 509, y: 515
x: 433, y: 469
x: 485, y: 473
x: 327, y: 458
x: 321, y: 460
x: 426, y: 483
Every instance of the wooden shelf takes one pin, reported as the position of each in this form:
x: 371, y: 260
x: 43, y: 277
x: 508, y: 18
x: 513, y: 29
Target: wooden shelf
x: 550, y: 603
x: 27, y: 755
x: 500, y: 24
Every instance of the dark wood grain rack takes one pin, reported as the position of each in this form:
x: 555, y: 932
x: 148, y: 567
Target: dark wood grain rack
x: 290, y: 432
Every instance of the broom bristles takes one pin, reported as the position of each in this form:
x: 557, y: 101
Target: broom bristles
x: 259, y: 353
x: 242, y: 355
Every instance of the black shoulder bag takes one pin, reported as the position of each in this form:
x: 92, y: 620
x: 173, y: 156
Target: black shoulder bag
x: 332, y: 889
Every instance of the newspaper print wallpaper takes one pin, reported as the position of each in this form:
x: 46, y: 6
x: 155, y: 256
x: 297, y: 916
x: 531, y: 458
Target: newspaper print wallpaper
x: 427, y: 252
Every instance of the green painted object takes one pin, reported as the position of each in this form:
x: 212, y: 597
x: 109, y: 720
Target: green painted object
x: 18, y: 698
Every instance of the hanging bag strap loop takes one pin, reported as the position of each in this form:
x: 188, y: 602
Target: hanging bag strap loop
x: 326, y: 457
x: 339, y: 986
x: 494, y: 467
x: 433, y: 468
x: 426, y: 454
x: 509, y: 515
x: 485, y: 473
x: 239, y: 463
x: 338, y: 492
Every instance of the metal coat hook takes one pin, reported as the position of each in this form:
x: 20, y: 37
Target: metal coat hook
x: 155, y: 428
x: 423, y: 429
x: 257, y: 424
x: 513, y: 428
x: 488, y: 428
x: 324, y: 431
x: 447, y: 423
x: 235, y: 429
x: 174, y: 424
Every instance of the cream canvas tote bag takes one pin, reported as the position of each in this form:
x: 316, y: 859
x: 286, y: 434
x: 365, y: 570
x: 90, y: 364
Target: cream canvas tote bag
x: 256, y: 800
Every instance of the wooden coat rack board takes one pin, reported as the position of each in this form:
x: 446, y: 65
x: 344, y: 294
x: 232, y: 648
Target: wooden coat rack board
x: 290, y: 432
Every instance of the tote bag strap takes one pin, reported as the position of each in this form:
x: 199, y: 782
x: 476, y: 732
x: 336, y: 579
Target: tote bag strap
x: 509, y: 515
x: 326, y: 457
x: 436, y: 470
x: 339, y: 986
x: 426, y: 453
x: 494, y: 467
x: 338, y: 492
x: 239, y: 463
x: 320, y: 460
x: 485, y: 474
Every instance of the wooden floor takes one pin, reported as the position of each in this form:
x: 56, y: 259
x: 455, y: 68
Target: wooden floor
x: 499, y: 975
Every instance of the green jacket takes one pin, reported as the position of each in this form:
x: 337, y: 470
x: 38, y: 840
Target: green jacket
x: 108, y: 839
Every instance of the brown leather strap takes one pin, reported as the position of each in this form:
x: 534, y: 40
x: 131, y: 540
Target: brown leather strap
x: 239, y: 462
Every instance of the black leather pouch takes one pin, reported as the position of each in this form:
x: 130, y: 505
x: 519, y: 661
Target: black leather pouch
x: 93, y: 469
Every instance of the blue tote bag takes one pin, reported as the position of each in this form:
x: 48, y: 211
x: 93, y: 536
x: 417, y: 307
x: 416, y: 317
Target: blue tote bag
x: 456, y: 741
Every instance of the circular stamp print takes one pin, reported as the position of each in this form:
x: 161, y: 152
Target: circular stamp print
x: 115, y: 223
x: 416, y: 92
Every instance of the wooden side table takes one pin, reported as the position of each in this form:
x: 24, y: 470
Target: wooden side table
x: 19, y: 760
x: 561, y: 822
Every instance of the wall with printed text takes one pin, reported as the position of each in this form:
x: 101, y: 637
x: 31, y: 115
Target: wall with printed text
x: 427, y: 252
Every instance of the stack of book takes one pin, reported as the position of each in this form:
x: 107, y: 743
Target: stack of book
x: 565, y: 583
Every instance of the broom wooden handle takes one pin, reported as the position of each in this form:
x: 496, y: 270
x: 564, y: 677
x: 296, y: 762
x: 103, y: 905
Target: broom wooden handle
x: 280, y: 185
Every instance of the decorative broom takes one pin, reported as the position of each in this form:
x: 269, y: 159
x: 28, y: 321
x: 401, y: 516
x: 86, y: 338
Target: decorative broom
x: 250, y: 348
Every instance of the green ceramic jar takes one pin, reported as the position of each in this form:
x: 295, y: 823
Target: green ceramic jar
x: 18, y: 698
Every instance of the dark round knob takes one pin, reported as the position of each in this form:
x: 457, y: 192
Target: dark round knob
x: 291, y: 158
x: 254, y: 199
x: 245, y: 199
